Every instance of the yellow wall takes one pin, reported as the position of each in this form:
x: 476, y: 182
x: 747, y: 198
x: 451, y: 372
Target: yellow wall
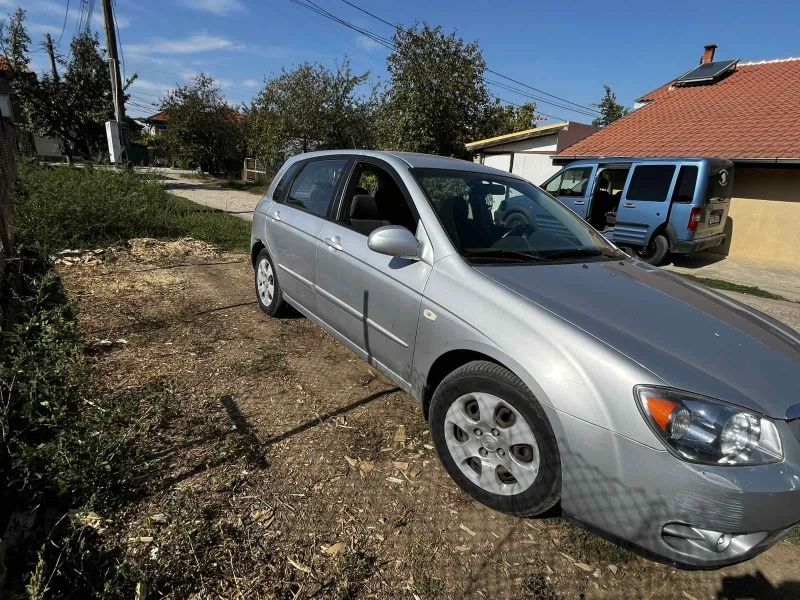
x: 764, y: 217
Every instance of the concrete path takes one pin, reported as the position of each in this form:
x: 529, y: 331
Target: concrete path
x: 238, y: 203
x: 773, y: 277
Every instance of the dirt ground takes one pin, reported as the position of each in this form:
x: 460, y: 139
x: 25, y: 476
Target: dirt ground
x: 282, y: 469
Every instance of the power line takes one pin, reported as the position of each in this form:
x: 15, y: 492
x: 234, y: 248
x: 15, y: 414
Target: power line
x: 64, y: 26
x: 528, y: 95
x: 581, y: 106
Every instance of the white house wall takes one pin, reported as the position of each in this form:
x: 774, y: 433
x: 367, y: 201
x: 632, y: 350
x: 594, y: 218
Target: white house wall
x: 498, y: 161
x: 536, y: 168
x: 545, y: 143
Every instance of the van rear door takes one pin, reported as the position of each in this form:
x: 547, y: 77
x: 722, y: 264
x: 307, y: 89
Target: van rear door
x: 717, y: 201
x: 645, y: 202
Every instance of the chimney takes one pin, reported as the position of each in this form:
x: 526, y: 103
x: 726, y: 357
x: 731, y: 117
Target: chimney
x: 708, y: 54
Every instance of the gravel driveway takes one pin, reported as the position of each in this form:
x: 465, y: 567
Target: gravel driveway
x: 235, y: 202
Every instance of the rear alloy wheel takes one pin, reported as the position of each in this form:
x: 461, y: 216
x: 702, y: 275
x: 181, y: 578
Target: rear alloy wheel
x: 494, y: 439
x: 655, y: 252
x: 268, y: 290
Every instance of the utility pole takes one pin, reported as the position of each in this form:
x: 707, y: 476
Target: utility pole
x: 49, y: 46
x: 113, y: 67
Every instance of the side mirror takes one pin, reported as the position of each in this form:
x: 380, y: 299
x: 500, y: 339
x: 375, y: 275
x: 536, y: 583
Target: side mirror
x: 394, y: 240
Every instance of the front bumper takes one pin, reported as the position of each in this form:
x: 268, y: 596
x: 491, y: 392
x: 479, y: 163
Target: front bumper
x: 670, y: 510
x: 689, y: 246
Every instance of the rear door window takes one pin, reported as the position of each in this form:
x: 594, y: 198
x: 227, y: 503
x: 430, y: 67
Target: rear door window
x: 684, y: 187
x: 314, y: 188
x: 650, y: 183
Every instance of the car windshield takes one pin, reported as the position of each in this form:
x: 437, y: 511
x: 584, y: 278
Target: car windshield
x: 491, y: 218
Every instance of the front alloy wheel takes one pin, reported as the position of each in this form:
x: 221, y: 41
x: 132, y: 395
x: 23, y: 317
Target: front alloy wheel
x: 495, y: 440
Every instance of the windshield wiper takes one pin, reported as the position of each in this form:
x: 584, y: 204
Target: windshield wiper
x: 577, y: 253
x: 502, y: 255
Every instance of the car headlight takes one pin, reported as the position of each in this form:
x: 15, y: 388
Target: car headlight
x: 708, y: 431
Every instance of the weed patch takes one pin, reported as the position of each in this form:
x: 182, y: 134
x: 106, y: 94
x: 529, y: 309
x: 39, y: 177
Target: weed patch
x: 61, y: 207
x: 719, y: 284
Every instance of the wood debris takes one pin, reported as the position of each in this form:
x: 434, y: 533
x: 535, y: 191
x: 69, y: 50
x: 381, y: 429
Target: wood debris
x: 298, y: 565
x: 400, y: 434
x: 336, y: 549
x: 395, y: 480
x: 463, y: 527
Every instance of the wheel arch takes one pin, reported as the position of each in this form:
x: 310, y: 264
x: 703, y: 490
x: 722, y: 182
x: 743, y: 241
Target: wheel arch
x: 255, y: 251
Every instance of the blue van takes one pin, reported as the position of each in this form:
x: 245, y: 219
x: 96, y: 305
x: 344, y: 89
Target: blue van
x: 650, y: 207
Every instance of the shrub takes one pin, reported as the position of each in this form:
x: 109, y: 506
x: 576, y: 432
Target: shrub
x: 61, y: 207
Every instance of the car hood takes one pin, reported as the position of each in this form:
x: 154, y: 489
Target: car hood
x: 689, y: 336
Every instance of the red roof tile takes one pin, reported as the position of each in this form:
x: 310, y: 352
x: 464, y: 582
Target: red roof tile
x: 752, y: 113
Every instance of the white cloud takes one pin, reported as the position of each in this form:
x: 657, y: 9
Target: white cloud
x: 250, y: 83
x: 217, y: 7
x: 42, y: 28
x: 367, y: 43
x: 200, y: 42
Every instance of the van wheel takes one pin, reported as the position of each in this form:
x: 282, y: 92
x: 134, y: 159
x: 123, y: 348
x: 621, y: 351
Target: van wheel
x: 655, y: 252
x: 494, y: 439
x: 268, y: 290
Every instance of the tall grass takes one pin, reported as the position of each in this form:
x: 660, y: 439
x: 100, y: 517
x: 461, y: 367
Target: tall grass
x: 61, y: 207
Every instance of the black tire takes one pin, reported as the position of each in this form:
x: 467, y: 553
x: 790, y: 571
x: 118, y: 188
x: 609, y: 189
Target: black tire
x: 277, y: 306
x: 655, y: 252
x: 491, y: 378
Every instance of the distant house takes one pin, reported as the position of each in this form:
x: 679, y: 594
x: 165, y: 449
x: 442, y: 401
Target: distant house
x: 748, y: 112
x: 157, y: 123
x: 529, y: 153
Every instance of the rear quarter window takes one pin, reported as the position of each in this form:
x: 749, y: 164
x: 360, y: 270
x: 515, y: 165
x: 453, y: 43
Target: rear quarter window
x: 650, y: 183
x: 684, y: 187
x: 284, y: 181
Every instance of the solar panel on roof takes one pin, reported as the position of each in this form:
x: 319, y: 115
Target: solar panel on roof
x: 707, y: 72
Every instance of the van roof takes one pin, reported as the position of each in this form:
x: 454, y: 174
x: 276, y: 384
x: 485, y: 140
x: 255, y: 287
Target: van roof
x: 579, y: 160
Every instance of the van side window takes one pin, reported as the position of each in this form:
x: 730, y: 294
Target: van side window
x: 287, y: 177
x: 554, y: 186
x: 314, y: 187
x: 684, y: 187
x: 650, y: 183
x: 575, y: 181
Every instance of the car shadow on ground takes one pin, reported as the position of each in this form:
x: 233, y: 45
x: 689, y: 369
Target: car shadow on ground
x: 249, y: 441
x: 756, y: 587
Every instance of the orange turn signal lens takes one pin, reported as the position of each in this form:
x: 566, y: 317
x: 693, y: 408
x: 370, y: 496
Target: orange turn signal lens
x: 661, y: 410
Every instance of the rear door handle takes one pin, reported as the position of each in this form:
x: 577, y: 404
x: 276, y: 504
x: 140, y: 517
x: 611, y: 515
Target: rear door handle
x: 628, y: 205
x: 579, y: 202
x: 275, y: 216
x: 335, y: 242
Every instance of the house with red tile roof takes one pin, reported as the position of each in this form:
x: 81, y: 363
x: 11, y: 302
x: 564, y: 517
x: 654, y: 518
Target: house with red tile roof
x: 749, y: 113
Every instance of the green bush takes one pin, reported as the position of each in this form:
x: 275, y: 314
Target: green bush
x: 61, y: 207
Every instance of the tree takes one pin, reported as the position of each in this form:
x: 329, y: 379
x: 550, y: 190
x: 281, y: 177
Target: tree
x: 610, y: 109
x: 310, y: 108
x: 437, y: 100
x: 203, y: 129
x: 71, y: 108
x: 501, y: 120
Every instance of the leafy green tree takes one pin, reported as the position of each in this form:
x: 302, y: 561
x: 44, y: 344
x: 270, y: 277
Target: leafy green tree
x: 310, y: 108
x: 610, y: 109
x: 203, y: 129
x: 501, y: 120
x: 437, y: 99
x: 71, y: 108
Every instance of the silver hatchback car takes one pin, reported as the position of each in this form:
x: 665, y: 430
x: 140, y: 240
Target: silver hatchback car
x: 551, y: 367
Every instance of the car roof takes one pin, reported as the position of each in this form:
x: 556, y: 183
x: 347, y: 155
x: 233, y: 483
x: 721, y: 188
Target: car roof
x: 415, y: 160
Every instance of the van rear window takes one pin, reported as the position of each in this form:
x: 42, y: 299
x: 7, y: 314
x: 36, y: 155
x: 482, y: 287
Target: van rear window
x: 684, y: 187
x: 720, y: 184
x: 650, y: 183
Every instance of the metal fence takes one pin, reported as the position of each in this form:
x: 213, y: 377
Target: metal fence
x: 8, y: 178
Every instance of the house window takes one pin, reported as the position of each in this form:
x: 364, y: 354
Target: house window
x: 5, y: 106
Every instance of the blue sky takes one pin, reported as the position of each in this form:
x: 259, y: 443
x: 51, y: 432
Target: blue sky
x: 568, y: 48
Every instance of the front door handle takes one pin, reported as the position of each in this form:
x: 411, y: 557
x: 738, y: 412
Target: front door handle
x: 628, y: 205
x: 335, y: 242
x: 579, y: 202
x: 275, y: 216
